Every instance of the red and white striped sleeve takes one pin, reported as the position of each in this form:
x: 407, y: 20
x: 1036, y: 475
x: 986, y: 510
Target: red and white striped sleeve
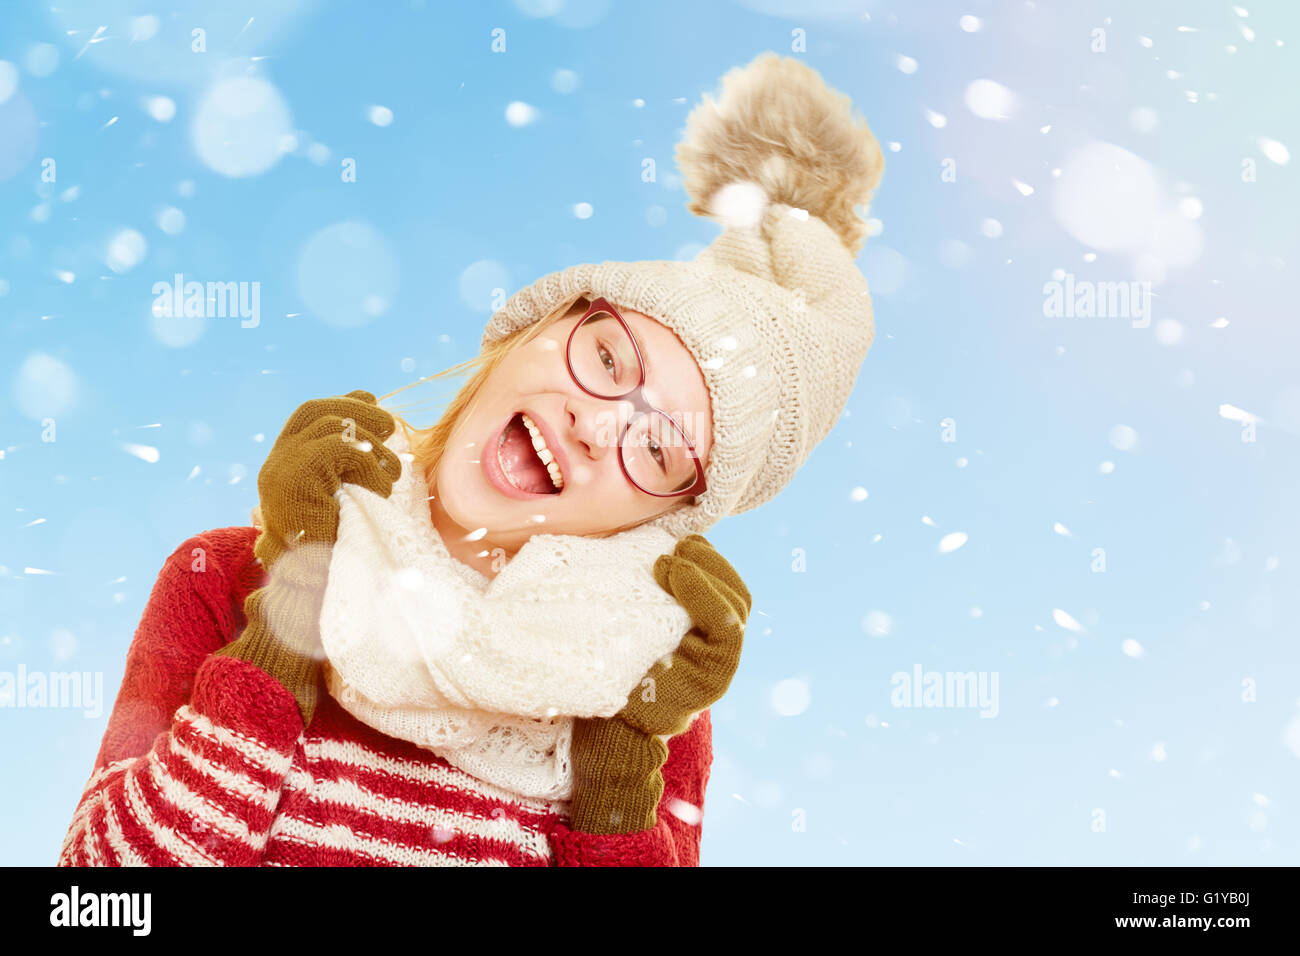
x: 199, y: 787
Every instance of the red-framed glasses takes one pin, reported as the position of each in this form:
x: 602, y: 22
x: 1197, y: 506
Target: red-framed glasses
x: 605, y: 361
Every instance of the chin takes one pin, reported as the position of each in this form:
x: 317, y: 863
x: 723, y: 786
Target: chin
x: 451, y: 498
x: 481, y: 507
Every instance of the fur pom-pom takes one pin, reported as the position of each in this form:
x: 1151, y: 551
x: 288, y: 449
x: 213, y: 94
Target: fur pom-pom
x: 778, y: 126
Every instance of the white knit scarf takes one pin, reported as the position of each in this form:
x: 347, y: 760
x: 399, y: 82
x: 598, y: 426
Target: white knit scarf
x: 489, y: 673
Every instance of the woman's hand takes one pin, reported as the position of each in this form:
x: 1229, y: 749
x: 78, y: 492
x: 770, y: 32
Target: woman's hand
x: 702, y: 666
x: 326, y: 442
x: 617, y: 760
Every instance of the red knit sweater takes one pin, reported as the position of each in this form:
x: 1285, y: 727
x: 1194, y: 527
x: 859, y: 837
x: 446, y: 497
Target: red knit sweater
x: 206, y: 763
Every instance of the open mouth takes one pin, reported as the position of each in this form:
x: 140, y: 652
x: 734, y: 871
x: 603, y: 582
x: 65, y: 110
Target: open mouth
x: 525, y: 460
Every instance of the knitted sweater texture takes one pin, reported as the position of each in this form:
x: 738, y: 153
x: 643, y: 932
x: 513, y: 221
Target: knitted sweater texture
x: 206, y: 762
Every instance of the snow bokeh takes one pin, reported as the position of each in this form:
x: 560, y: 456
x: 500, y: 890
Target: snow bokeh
x: 519, y: 113
x: 171, y: 221
x: 347, y: 274
x: 482, y: 283
x: 564, y: 81
x: 19, y: 128
x: 1107, y: 498
x: 44, y: 387
x: 989, y: 99
x: 125, y: 251
x: 242, y: 126
x: 176, y: 331
x: 8, y: 80
x: 161, y: 108
x: 1111, y: 200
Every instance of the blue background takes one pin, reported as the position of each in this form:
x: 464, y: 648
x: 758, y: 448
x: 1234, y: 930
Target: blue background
x: 813, y: 765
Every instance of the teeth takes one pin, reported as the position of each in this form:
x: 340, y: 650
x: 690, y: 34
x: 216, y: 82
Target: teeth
x: 544, y: 453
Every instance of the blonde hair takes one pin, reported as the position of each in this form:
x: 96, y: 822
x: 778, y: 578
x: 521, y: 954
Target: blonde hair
x: 429, y: 444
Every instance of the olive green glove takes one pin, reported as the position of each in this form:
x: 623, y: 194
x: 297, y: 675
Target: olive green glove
x: 617, y: 760
x: 325, y: 442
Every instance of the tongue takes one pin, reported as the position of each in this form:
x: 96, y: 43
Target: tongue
x: 520, y: 461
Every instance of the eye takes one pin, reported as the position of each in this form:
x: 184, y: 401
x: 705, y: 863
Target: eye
x: 658, y: 445
x: 606, y: 359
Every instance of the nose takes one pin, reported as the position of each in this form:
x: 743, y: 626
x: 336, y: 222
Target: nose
x: 597, y: 423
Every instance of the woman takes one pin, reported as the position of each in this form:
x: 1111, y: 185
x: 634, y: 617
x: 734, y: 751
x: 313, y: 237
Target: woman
x: 611, y: 403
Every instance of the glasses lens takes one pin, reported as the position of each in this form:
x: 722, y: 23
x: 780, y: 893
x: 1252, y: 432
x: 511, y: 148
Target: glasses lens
x: 603, y: 357
x: 656, y: 455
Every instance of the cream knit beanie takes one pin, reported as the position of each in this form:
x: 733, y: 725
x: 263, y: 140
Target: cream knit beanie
x: 775, y: 310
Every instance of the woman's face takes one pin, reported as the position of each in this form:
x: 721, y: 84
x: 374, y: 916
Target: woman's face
x: 503, y: 495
